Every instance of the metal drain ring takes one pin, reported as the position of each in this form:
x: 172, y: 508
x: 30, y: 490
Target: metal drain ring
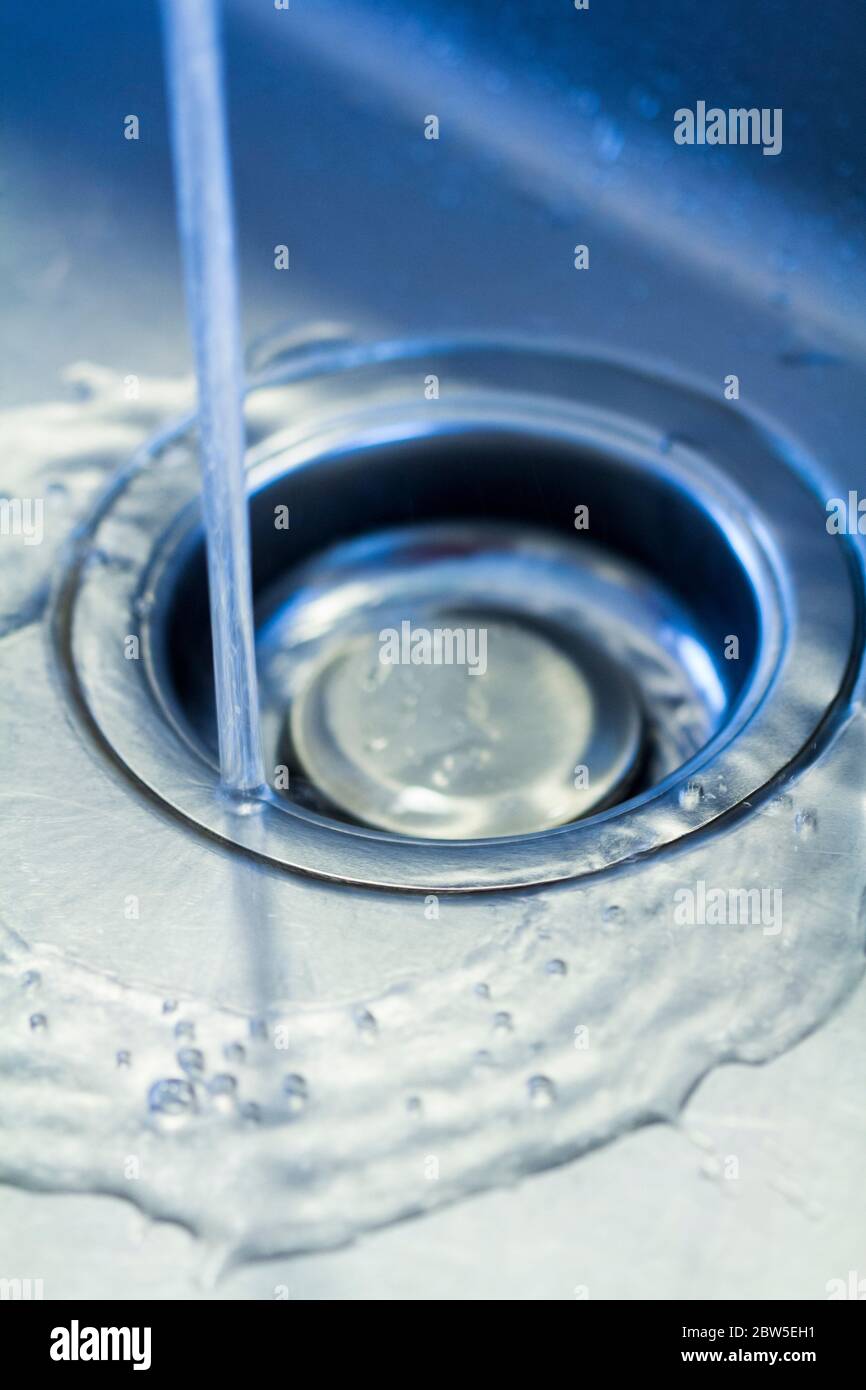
x: 806, y: 582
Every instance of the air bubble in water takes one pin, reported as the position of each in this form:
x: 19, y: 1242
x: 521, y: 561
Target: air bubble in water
x: 556, y: 967
x: 541, y: 1090
x: 171, y: 1096
x: 191, y: 1059
x: 296, y: 1092
x: 366, y: 1025
x: 38, y: 1022
x: 222, y: 1088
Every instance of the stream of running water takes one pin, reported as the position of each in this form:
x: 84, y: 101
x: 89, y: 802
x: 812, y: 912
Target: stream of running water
x: 206, y: 226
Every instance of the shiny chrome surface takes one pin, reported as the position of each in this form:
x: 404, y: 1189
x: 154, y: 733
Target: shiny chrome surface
x: 701, y: 266
x: 713, y: 506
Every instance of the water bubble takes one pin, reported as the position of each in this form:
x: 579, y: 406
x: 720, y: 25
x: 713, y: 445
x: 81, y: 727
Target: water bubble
x: 123, y: 1058
x: 222, y: 1089
x: 171, y: 1097
x: 691, y: 796
x: 184, y: 1029
x: 38, y: 1022
x: 482, y: 990
x: 806, y: 823
x: 503, y: 1022
x: 366, y: 1025
x: 296, y: 1092
x: 556, y: 967
x: 169, y: 1006
x: 222, y: 1084
x: 541, y: 1090
x: 31, y: 979
x: 191, y: 1059
x: 612, y: 913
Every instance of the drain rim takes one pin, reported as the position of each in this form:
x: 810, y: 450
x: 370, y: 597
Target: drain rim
x: 173, y: 770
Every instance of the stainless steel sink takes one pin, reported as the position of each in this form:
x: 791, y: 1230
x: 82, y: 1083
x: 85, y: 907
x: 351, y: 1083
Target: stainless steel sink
x: 455, y: 257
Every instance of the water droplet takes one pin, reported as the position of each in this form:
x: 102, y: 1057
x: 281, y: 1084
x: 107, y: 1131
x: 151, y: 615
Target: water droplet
x: 482, y: 990
x: 171, y: 1097
x: 31, y: 979
x: 223, y: 1091
x: 542, y: 1091
x: 38, y: 1022
x: 806, y: 823
x: 503, y: 1022
x: 191, y: 1059
x: 612, y: 913
x: 366, y: 1025
x: 691, y: 796
x: 295, y: 1091
x: 169, y: 1006
x: 184, y: 1029
x: 556, y: 967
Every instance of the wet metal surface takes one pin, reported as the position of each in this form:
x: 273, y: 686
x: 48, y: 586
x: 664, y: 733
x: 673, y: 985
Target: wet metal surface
x: 703, y: 263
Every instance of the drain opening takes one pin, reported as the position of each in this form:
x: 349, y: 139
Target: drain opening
x: 576, y: 666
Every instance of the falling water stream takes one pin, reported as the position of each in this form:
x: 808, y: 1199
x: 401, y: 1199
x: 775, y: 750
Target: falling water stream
x: 201, y: 165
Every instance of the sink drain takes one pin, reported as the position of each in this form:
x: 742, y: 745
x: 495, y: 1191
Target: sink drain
x: 466, y: 719
x: 665, y: 622
x: 174, y: 982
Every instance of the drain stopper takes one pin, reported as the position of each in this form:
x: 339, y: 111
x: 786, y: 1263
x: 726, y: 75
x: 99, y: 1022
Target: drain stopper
x: 469, y: 729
